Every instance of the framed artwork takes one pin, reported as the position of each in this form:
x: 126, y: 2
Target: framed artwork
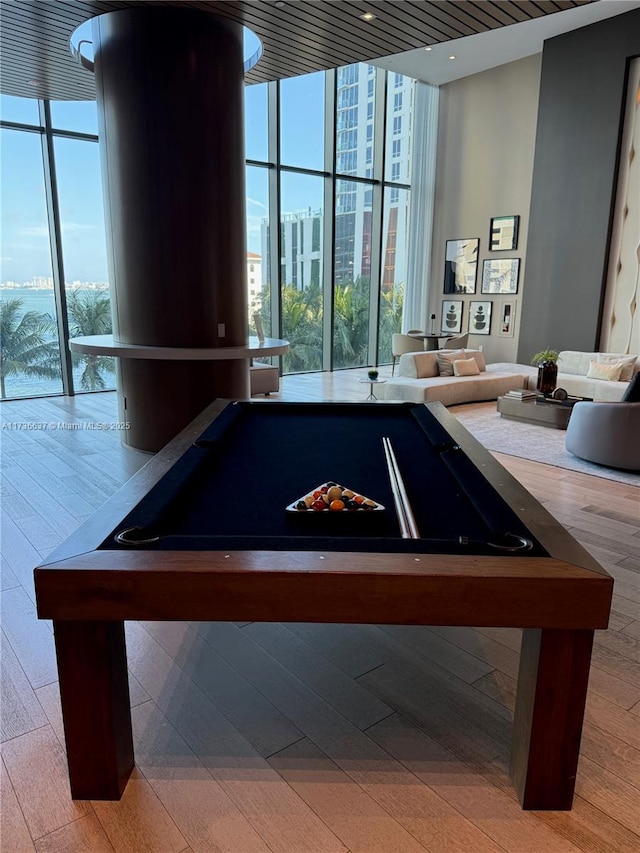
x: 451, y: 320
x: 480, y: 318
x: 507, y: 318
x: 500, y: 276
x: 503, y: 233
x: 461, y: 265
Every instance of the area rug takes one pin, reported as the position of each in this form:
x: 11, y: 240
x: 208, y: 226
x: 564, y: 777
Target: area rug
x: 530, y: 441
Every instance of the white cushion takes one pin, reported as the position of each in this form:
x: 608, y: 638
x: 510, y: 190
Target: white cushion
x: 575, y: 362
x: 626, y: 361
x: 465, y: 367
x: 610, y: 372
x: 478, y: 358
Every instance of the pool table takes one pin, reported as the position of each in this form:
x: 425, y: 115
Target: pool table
x: 202, y: 533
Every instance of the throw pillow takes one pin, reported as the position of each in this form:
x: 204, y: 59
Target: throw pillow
x: 632, y: 394
x: 479, y: 358
x: 465, y: 367
x: 446, y: 359
x: 426, y: 365
x: 611, y: 372
x: 627, y: 362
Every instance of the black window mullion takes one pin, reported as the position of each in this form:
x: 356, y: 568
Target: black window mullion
x: 55, y: 241
x: 329, y: 219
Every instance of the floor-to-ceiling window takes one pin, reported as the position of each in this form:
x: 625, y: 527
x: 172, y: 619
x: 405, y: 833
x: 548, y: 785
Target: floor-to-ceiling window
x: 393, y: 267
x: 30, y: 361
x: 84, y: 253
x: 328, y: 161
x: 301, y: 269
x: 53, y: 269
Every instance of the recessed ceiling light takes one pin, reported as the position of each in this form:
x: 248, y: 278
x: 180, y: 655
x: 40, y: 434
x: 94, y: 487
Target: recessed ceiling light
x: 452, y: 56
x: 428, y: 48
x: 368, y: 16
x: 280, y: 4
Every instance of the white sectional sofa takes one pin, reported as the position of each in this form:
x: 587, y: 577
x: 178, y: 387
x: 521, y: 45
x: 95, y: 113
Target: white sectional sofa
x: 418, y: 378
x: 573, y: 367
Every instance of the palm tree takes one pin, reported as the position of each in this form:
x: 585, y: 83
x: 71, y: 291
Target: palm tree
x: 90, y: 314
x: 302, y: 327
x: 302, y: 323
x: 27, y: 344
x: 351, y: 323
x: 391, y: 302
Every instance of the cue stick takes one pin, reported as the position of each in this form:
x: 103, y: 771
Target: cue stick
x: 408, y: 526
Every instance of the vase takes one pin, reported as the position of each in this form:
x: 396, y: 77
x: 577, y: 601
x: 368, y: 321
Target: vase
x: 547, y: 376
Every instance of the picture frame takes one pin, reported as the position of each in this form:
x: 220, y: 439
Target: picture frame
x: 503, y: 233
x: 451, y: 316
x: 461, y: 265
x: 500, y: 275
x: 480, y: 318
x: 507, y: 318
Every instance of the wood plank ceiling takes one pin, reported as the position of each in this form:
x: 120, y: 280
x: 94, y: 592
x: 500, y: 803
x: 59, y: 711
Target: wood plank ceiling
x: 298, y: 36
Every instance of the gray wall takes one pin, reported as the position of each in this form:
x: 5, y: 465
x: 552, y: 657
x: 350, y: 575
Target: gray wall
x: 486, y: 141
x: 574, y: 177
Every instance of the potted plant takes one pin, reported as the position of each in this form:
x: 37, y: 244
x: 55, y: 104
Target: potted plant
x: 547, y: 363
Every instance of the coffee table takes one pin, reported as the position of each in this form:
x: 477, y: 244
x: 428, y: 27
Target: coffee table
x: 531, y: 410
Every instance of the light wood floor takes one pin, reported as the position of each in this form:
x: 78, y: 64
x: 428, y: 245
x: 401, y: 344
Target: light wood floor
x: 295, y: 738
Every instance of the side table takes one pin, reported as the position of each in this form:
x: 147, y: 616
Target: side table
x: 371, y: 383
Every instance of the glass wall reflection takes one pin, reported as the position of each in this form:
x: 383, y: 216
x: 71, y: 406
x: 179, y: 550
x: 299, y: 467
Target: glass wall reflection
x: 84, y: 256
x: 292, y: 295
x: 81, y: 116
x: 352, y: 274
x: 30, y: 363
x: 302, y: 121
x: 398, y: 125
x: 255, y: 122
x: 355, y: 115
x: 258, y: 254
x: 301, y: 286
x: 394, y: 267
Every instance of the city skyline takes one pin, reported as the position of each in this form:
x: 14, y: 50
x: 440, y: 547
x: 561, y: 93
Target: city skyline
x: 350, y: 189
x: 24, y: 225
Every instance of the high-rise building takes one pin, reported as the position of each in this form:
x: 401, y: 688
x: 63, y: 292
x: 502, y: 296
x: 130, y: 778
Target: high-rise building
x: 301, y: 232
x: 355, y: 120
x: 254, y: 276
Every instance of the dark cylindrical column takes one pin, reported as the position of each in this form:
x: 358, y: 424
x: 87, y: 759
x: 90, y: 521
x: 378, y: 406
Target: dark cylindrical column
x: 169, y: 84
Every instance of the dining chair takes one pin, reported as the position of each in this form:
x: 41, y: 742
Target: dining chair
x: 459, y: 342
x: 401, y: 344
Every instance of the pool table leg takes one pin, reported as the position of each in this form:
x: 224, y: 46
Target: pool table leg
x: 552, y: 691
x: 94, y: 689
